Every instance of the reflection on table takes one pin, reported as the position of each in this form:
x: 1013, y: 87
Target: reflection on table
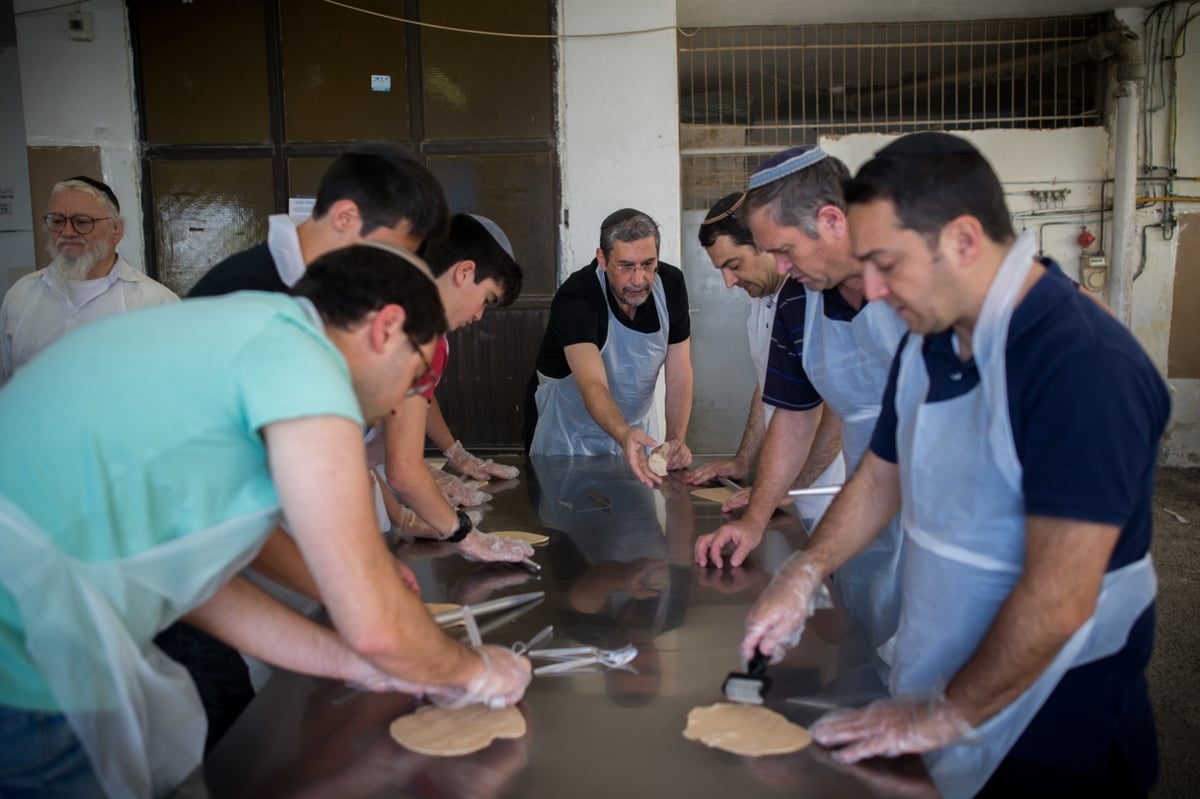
x: 617, y: 570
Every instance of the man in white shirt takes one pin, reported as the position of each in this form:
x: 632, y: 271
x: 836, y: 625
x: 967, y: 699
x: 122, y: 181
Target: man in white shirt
x: 87, y: 280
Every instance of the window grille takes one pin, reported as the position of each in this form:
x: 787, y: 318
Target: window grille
x: 748, y: 92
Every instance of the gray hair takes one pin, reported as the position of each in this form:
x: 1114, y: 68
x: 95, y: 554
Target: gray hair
x: 87, y: 188
x: 794, y: 200
x: 636, y: 227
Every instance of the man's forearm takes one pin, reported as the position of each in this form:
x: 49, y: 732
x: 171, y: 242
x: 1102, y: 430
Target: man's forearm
x: 436, y: 429
x: 679, y: 377
x: 755, y: 432
x: 860, y: 511
x: 827, y: 443
x: 604, y: 411
x: 785, y: 449
x: 1064, y: 570
x: 280, y: 561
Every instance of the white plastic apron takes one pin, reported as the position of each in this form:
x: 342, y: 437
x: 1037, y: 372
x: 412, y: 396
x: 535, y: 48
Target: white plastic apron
x: 759, y: 325
x: 964, y: 521
x: 632, y: 361
x: 848, y: 364
x: 89, y: 628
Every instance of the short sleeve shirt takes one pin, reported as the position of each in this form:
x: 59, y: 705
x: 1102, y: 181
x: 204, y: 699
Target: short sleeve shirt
x: 787, y: 385
x: 147, y: 427
x: 579, y: 315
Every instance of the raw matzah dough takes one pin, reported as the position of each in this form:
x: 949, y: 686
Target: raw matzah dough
x: 533, y: 539
x: 658, y: 460
x: 435, y: 608
x: 448, y: 732
x: 750, y: 730
x: 718, y: 494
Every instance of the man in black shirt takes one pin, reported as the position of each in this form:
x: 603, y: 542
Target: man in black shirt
x: 614, y: 324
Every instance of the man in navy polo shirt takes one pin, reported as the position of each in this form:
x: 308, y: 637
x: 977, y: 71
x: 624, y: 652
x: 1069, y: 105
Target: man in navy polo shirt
x: 1018, y: 436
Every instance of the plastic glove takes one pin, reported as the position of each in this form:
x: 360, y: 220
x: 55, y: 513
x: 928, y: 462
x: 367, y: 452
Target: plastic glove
x: 891, y: 727
x: 481, y: 546
x: 458, y: 492
x: 501, y: 682
x: 476, y: 468
x: 777, y: 619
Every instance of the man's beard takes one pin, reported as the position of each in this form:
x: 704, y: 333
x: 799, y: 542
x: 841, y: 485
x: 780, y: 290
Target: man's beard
x: 635, y: 300
x: 77, y: 267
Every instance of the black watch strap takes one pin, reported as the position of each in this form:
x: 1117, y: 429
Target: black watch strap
x: 464, y: 527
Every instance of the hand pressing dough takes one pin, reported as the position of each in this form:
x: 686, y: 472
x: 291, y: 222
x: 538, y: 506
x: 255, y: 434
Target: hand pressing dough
x: 718, y: 494
x: 533, y: 539
x: 750, y: 730
x: 658, y: 460
x: 447, y: 732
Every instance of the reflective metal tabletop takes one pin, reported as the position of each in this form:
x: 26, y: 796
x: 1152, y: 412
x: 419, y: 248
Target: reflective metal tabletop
x: 618, y: 569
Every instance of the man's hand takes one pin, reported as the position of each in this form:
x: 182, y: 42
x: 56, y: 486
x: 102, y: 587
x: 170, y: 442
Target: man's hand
x: 891, y: 727
x: 733, y: 468
x: 482, y: 546
x: 678, y: 455
x: 501, y: 681
x: 743, y: 535
x: 740, y: 499
x: 407, y: 576
x: 477, y: 468
x: 777, y: 619
x: 634, y: 446
x: 458, y: 492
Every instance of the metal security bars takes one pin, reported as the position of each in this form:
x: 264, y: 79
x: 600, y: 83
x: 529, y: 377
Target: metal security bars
x: 747, y: 92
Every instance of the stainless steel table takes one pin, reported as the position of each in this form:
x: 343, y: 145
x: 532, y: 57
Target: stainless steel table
x: 618, y: 569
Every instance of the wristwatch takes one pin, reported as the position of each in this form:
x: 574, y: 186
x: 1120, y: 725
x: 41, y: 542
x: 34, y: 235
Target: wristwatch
x: 465, y: 526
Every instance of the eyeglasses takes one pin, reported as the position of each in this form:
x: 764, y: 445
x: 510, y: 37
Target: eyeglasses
x: 428, y: 377
x: 82, y: 223
x: 629, y: 269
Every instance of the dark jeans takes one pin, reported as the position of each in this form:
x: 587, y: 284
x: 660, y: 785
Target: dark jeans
x: 41, y: 757
x: 218, y: 671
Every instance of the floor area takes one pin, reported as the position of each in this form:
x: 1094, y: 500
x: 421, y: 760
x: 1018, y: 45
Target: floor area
x: 1174, y: 673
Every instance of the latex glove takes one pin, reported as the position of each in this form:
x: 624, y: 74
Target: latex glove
x: 777, y: 619
x: 732, y: 468
x: 458, y: 492
x: 501, y: 682
x: 476, y: 468
x: 744, y: 536
x: 481, y: 546
x: 891, y: 727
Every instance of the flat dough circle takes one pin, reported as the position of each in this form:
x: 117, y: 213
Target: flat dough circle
x: 750, y: 730
x: 717, y: 494
x: 533, y: 539
x: 435, y: 608
x: 447, y: 732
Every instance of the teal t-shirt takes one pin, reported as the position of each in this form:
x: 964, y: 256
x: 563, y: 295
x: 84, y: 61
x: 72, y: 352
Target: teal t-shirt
x: 142, y: 428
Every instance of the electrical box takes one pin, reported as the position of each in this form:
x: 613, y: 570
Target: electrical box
x: 79, y: 26
x: 1093, y: 271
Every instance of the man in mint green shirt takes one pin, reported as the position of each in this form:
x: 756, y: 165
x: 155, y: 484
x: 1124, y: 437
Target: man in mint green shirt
x: 147, y: 458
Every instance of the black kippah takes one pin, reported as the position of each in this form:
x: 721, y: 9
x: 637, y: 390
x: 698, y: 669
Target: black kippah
x: 101, y: 187
x: 929, y: 143
x: 617, y: 217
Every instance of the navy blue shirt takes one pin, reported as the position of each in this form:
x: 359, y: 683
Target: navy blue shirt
x: 786, y: 384
x: 1087, y: 409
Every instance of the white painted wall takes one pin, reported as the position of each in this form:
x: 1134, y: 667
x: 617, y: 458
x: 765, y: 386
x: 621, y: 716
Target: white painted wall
x: 81, y: 94
x: 16, y: 216
x: 618, y: 121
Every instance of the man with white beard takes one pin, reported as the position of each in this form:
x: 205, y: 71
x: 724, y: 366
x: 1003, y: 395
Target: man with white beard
x: 87, y: 280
